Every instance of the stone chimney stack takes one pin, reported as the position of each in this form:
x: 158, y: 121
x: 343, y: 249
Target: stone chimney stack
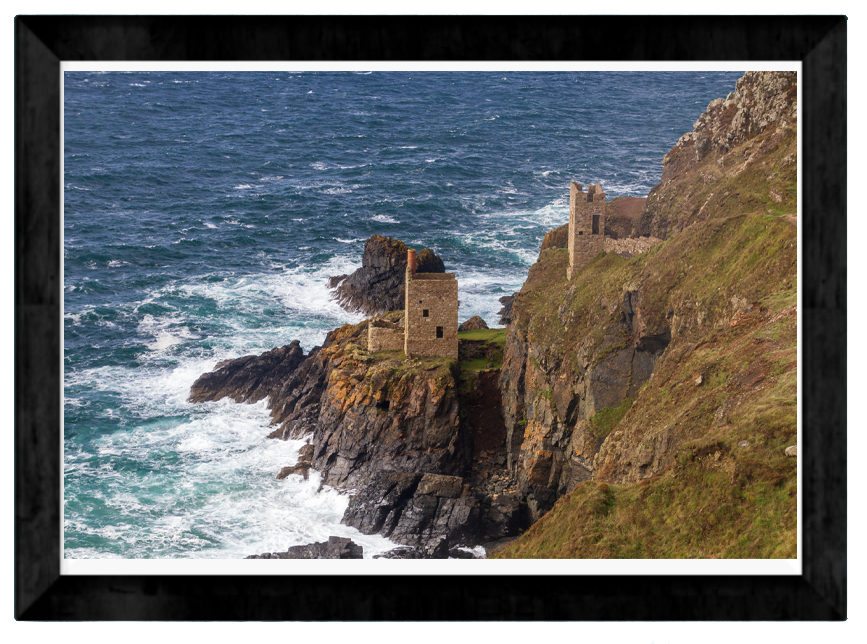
x: 410, y: 260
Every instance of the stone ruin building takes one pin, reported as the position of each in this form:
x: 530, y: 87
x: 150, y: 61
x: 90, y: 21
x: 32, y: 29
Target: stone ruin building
x: 586, y: 225
x: 430, y: 320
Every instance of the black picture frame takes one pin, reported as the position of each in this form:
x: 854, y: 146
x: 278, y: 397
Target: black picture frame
x: 41, y: 42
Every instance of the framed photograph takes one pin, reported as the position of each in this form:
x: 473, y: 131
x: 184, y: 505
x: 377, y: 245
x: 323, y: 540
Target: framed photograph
x: 254, y: 169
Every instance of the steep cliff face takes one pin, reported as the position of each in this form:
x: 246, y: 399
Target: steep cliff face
x: 378, y: 286
x: 741, y: 156
x: 572, y: 349
x: 651, y: 400
x: 656, y: 368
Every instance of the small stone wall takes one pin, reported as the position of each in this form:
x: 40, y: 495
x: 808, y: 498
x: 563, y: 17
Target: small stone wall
x: 384, y: 339
x: 436, y: 293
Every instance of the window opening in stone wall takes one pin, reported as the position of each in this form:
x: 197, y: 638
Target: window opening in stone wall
x: 595, y: 224
x: 439, y: 332
x: 580, y: 232
x: 425, y: 313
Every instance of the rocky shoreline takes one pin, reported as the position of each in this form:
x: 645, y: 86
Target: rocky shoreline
x: 441, y: 457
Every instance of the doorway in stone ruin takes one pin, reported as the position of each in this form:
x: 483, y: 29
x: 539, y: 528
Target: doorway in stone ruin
x: 595, y: 224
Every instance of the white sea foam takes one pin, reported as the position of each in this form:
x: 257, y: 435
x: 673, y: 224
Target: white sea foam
x: 349, y: 241
x: 335, y: 191
x: 385, y: 219
x: 318, y: 165
x: 243, y: 186
x: 210, y: 225
x: 218, y: 497
x: 478, y: 551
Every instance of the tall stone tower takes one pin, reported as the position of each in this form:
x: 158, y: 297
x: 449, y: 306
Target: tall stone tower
x: 586, y: 225
x: 430, y: 313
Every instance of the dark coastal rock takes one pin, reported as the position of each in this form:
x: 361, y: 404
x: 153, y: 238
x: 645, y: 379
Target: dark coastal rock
x: 427, y: 511
x: 505, y: 313
x: 385, y: 415
x: 295, y: 406
x: 473, y: 323
x: 334, y: 548
x: 301, y: 469
x: 378, y: 505
x: 440, y: 550
x: 249, y: 378
x: 378, y: 286
x: 503, y: 518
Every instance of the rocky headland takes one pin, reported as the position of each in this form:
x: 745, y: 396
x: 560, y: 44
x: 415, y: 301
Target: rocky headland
x: 642, y: 409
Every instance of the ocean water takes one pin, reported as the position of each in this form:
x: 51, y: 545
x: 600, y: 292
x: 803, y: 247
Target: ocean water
x: 203, y: 214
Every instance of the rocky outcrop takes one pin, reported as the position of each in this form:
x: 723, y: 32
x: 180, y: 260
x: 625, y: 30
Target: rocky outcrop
x: 389, y: 431
x: 740, y: 156
x: 505, y: 313
x: 378, y: 286
x: 472, y: 324
x: 556, y: 238
x: 334, y: 548
x: 249, y: 378
x: 302, y: 467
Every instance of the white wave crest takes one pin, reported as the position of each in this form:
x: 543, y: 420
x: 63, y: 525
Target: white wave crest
x: 385, y: 219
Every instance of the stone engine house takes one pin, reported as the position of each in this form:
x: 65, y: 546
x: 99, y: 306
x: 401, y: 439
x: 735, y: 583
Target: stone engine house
x: 430, y: 313
x: 586, y: 225
x: 430, y: 317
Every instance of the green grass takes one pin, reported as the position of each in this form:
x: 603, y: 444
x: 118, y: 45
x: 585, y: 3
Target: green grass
x: 690, y: 513
x: 477, y: 365
x: 497, y: 336
x: 494, y: 342
x: 606, y: 419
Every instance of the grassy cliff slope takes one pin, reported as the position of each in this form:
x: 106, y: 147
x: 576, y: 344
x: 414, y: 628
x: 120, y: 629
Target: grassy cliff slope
x: 656, y: 395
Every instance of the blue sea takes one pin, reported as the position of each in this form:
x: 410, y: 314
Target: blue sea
x: 203, y: 214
